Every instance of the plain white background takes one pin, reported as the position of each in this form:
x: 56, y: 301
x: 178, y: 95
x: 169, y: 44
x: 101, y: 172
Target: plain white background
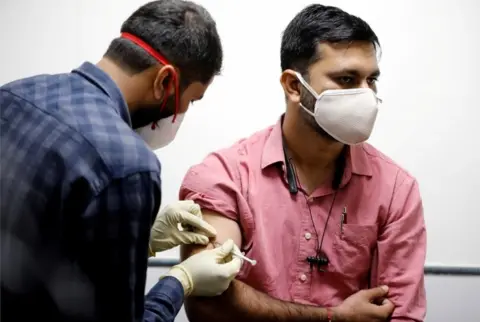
x: 429, y: 122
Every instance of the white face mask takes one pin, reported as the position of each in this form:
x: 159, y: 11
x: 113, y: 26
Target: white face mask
x: 164, y: 132
x: 348, y: 115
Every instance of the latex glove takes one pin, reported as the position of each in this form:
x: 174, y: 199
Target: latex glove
x: 210, y: 272
x: 179, y: 224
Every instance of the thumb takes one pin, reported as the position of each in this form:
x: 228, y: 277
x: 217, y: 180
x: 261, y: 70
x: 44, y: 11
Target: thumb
x: 232, y: 268
x: 226, y: 249
x: 190, y: 206
x: 377, y: 292
x: 195, y: 223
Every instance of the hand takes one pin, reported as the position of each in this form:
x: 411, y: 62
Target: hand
x: 208, y: 273
x: 167, y: 234
x: 361, y: 307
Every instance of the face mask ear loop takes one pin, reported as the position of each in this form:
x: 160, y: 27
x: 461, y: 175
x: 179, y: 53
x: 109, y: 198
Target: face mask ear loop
x: 164, y: 103
x: 310, y: 89
x: 177, y: 95
x: 306, y: 85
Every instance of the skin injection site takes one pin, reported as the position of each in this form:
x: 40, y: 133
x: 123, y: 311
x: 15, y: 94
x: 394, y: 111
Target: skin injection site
x: 239, y: 161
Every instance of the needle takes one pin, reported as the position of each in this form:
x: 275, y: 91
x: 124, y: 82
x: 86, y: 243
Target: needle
x: 240, y: 255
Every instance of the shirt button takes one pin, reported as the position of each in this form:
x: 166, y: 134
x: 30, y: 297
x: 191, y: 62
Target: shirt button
x: 308, y: 236
x: 303, y: 277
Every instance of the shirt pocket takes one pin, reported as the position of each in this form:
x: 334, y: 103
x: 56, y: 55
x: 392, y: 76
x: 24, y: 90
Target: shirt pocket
x: 353, y: 247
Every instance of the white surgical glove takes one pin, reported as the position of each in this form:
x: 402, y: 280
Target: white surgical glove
x: 179, y: 224
x: 210, y: 272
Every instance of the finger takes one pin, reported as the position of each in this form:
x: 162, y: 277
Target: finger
x: 188, y: 237
x: 198, y: 224
x: 186, y: 202
x: 232, y: 268
x: 196, y: 210
x: 190, y: 206
x: 237, y: 250
x: 228, y: 257
x: 388, y: 304
x: 225, y: 249
x: 376, y: 292
x: 384, y: 310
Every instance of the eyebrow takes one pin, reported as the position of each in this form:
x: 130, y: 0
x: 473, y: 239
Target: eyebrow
x: 356, y: 73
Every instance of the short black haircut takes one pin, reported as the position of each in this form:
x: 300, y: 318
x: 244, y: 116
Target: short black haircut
x: 181, y: 31
x: 320, y: 24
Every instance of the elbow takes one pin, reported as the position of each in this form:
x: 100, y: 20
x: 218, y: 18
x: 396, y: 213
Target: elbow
x: 192, y: 309
x: 197, y: 310
x: 213, y: 309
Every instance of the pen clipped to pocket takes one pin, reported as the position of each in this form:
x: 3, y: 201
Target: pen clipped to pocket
x: 343, y: 220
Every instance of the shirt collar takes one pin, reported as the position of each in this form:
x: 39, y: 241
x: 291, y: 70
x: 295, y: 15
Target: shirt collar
x: 102, y: 80
x: 273, y: 148
x: 357, y: 158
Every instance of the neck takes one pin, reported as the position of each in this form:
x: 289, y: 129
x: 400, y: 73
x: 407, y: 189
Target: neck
x: 308, y: 149
x: 130, y: 85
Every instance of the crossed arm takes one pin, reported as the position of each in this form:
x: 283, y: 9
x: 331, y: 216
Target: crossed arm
x: 242, y: 302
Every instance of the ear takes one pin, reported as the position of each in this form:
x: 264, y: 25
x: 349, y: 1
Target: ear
x: 291, y: 85
x: 163, y: 82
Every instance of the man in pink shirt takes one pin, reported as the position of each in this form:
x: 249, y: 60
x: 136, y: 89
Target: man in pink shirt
x: 328, y: 218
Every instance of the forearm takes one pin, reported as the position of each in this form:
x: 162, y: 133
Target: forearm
x: 243, y: 303
x: 403, y: 241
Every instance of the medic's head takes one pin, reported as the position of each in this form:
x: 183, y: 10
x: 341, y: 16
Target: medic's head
x: 166, y: 56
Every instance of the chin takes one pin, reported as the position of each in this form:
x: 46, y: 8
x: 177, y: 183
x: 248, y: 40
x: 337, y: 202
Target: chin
x: 321, y: 132
x: 327, y: 136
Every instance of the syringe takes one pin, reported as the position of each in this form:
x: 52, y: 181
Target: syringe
x: 235, y: 253
x: 240, y: 255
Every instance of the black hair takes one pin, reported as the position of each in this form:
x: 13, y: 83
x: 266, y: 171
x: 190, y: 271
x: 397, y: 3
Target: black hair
x: 181, y: 31
x: 320, y: 24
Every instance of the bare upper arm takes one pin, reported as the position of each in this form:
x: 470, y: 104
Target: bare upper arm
x: 226, y: 229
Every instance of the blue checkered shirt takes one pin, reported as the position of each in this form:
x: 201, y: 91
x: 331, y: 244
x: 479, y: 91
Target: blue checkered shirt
x: 79, y: 193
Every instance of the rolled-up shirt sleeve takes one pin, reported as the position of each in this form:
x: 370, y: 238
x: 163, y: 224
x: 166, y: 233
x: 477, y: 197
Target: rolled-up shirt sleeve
x: 216, y: 185
x: 213, y: 185
x: 401, y: 252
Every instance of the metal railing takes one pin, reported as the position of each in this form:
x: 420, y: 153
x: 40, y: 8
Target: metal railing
x: 430, y: 269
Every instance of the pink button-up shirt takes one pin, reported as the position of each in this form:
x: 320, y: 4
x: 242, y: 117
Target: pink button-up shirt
x: 382, y: 240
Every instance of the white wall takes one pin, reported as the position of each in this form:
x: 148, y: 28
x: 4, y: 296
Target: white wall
x: 430, y: 69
